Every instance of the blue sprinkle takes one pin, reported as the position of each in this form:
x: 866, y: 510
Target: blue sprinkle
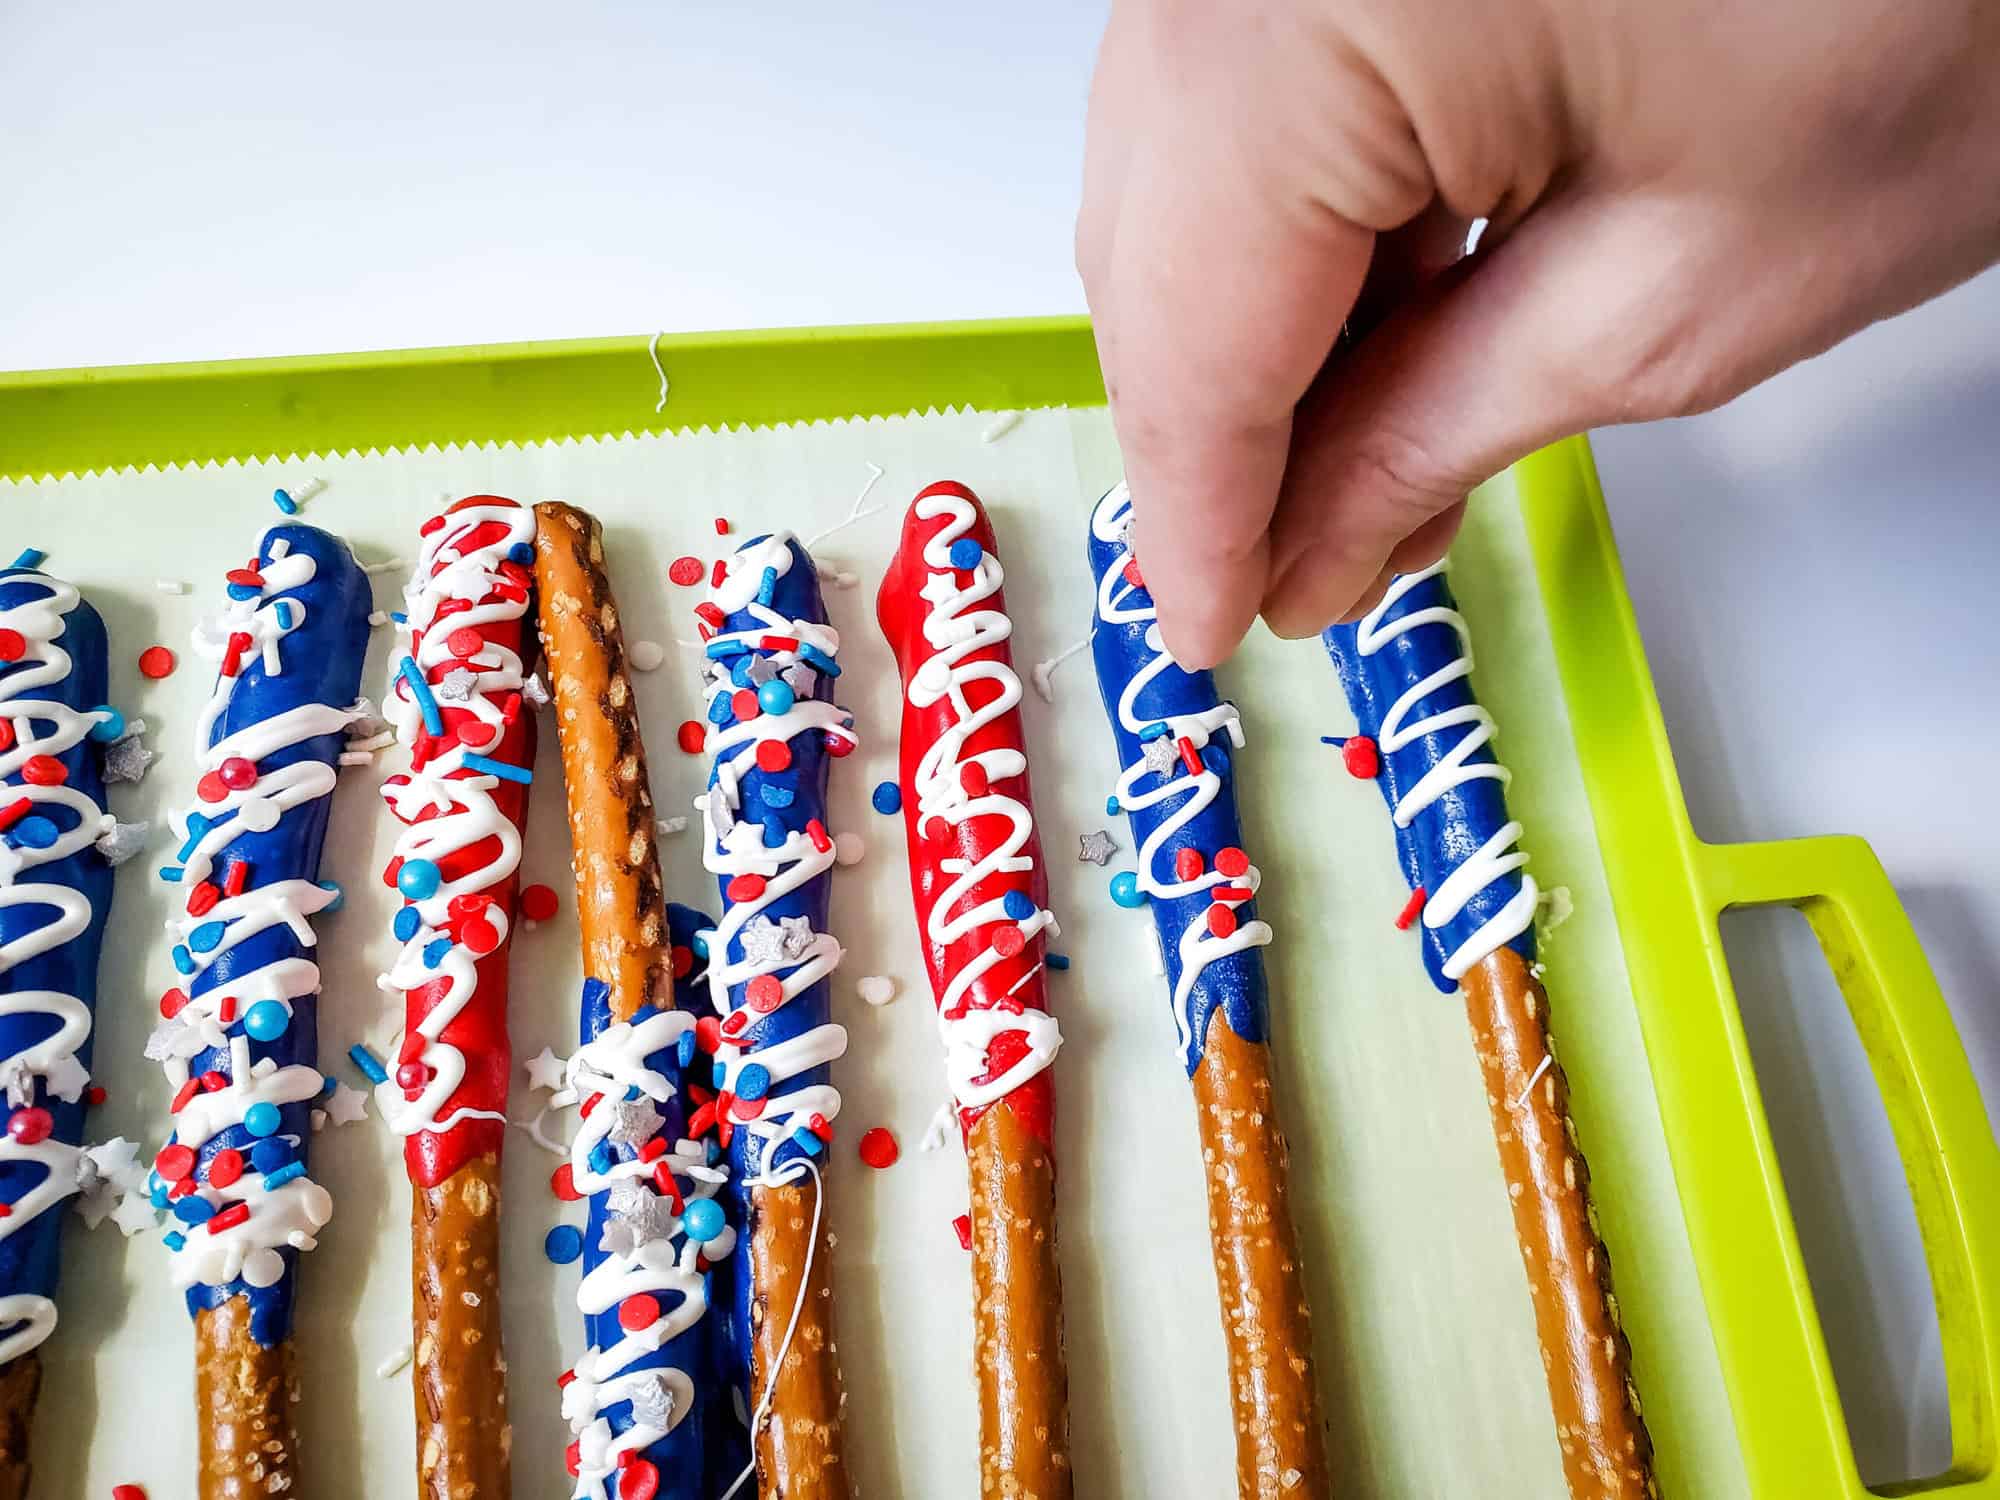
x: 753, y: 1082
x: 368, y: 1063
x: 767, y: 586
x: 965, y: 554
x: 631, y: 1092
x: 775, y: 832
x: 522, y: 553
x: 407, y: 921
x: 291, y: 1171
x: 174, y: 1240
x: 685, y: 1048
x: 32, y: 557
x: 328, y: 1085
x: 262, y: 1118
x: 242, y: 591
x: 719, y: 711
x: 740, y: 673
x: 1216, y: 759
x: 35, y: 833
x: 595, y: 993
x: 157, y: 1193
x: 1018, y: 905
x: 267, y: 1020
x: 268, y: 1156
x: 813, y: 656
x: 886, y: 798
x: 282, y: 613
x: 435, y: 950
x: 339, y: 896
x: 703, y: 1220
x: 699, y: 943
x: 564, y: 1244
x: 183, y: 960
x: 399, y: 617
x: 1111, y: 806
x: 284, y: 502
x: 1335, y: 740
x: 718, y: 1073
x: 206, y: 937
x: 193, y: 1209
x: 807, y: 1142
x: 1153, y: 730
x: 600, y: 1159
x: 1056, y: 961
x: 1125, y: 889
x: 519, y: 774
x: 776, y: 697
x: 775, y: 795
x: 171, y: 873
x: 110, y: 724
x: 421, y: 691
x: 727, y: 646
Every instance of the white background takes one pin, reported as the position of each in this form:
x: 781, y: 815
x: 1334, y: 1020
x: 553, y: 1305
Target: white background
x: 192, y: 182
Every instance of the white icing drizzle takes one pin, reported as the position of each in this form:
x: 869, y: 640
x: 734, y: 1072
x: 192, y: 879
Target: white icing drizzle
x: 666, y: 1264
x: 1495, y: 858
x: 1197, y: 945
x: 52, y: 1060
x: 955, y: 628
x: 736, y: 847
x: 467, y: 814
x: 291, y: 1214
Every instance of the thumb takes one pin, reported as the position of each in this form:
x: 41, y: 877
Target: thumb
x: 1570, y: 322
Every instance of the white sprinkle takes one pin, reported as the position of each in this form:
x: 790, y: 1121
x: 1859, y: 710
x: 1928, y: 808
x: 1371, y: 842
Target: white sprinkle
x: 318, y: 1120
x: 378, y: 619
x: 1561, y: 906
x: 380, y: 741
x: 668, y: 827
x: 848, y: 848
x: 937, y: 1134
x: 356, y: 758
x: 170, y: 586
x: 306, y: 491
x: 396, y: 1363
x: 876, y: 989
x: 470, y: 1299
x: 387, y: 565
x: 1000, y: 426
x: 646, y: 656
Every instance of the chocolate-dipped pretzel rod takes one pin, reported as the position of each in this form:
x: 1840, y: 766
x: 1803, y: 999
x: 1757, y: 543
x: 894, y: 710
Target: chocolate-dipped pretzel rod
x: 772, y: 731
x: 1406, y: 667
x: 239, y: 1035
x: 55, y: 892
x: 1177, y: 785
x: 649, y: 1401
x: 455, y: 700
x: 981, y: 893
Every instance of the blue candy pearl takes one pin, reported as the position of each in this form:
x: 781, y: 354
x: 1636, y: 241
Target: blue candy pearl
x: 1017, y: 905
x: 418, y: 879
x: 699, y: 943
x: 965, y: 553
x: 1125, y: 889
x: 522, y: 553
x: 262, y: 1118
x: 267, y: 1020
x: 776, y: 696
x: 703, y: 1220
x: 109, y: 727
x: 339, y: 896
x: 564, y: 1244
x: 887, y: 797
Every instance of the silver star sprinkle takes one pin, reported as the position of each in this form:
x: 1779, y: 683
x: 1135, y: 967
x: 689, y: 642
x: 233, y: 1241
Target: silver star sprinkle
x: 126, y: 759
x: 633, y: 1121
x: 637, y: 1216
x: 1096, y: 848
x: 652, y: 1403
x: 761, y: 670
x: 800, y: 678
x: 456, y: 686
x: 535, y: 691
x: 1161, y: 755
x: 121, y: 841
x: 763, y: 943
x: 797, y: 936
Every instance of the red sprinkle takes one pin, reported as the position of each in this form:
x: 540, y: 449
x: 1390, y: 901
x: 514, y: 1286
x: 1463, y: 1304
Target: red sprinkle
x: 765, y: 993
x: 710, y: 613
x: 708, y: 1033
x: 693, y: 736
x: 202, y: 898
x: 1132, y: 574
x: 962, y: 1226
x: 665, y: 1186
x: 43, y: 770
x: 639, y: 1479
x: 248, y: 578
x: 232, y: 657
x: 16, y: 810
x: 171, y: 1002
x: 538, y: 903
x: 972, y: 776
x: 838, y: 745
x: 1410, y: 909
x: 127, y: 1492
x: 431, y: 525
x: 734, y: 1022
x: 13, y: 645
x: 155, y: 661
x: 685, y: 571
x: 642, y: 1310
x: 1187, y: 864
x: 225, y: 1167
x: 773, y: 756
x: 1360, y: 756
x: 779, y: 643
x: 1190, y: 757
x: 1008, y: 940
x: 187, y: 1091
x: 1232, y: 862
x: 718, y: 575
x: 816, y: 831
x: 1230, y: 893
x: 237, y: 878
x: 878, y: 1148
x: 722, y: 526
x: 589, y: 1104
x: 225, y: 1012
x: 6, y: 734
x: 562, y: 1182
x: 746, y: 887
x: 229, y: 1218
x: 654, y: 1149
x: 215, y: 1080
x: 820, y: 1126
x: 174, y: 1162
x: 1221, y: 921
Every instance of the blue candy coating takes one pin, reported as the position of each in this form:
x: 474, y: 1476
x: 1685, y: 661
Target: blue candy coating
x: 776, y: 696
x: 266, y: 1020
x: 262, y: 1118
x: 564, y: 1244
x: 719, y: 711
x: 702, y: 1220
x: 887, y: 797
x: 1056, y: 961
x: 418, y: 879
x: 776, y: 795
x: 1125, y: 889
x: 285, y: 502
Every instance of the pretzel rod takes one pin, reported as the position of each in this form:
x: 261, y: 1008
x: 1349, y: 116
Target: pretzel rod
x: 55, y: 893
x: 1406, y: 667
x: 1174, y: 737
x: 454, y: 698
x: 646, y: 1401
x: 981, y: 890
x: 772, y: 731
x: 238, y: 1037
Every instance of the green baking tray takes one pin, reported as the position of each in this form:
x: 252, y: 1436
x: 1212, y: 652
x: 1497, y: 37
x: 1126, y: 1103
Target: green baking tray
x: 1668, y: 887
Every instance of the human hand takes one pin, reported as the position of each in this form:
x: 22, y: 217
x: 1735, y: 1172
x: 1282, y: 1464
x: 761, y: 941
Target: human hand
x: 1683, y: 199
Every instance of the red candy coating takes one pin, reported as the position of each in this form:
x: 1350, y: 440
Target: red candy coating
x: 639, y: 1479
x: 747, y: 887
x: 211, y: 787
x: 1008, y: 941
x: 1221, y: 921
x: 562, y: 1182
x: 764, y: 993
x: 743, y: 703
x: 639, y: 1311
x: 174, y: 1162
x: 155, y: 662
x: 878, y: 1148
x: 773, y: 756
x: 1187, y: 864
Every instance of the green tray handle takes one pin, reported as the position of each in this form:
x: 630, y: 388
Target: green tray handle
x: 1940, y: 1127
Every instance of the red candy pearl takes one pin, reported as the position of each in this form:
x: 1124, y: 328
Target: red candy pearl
x: 13, y: 645
x: 238, y: 773
x: 412, y: 1075
x: 225, y: 1167
x: 693, y: 736
x: 878, y: 1148
x: 773, y: 755
x: 1361, y: 758
x: 30, y: 1125
x: 538, y: 903
x: 464, y: 642
x: 1232, y: 862
x: 1187, y: 864
x: 838, y: 745
x: 638, y: 1480
x: 639, y: 1311
x: 43, y: 770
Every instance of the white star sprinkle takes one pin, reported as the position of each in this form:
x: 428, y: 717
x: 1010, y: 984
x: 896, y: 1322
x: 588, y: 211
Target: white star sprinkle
x: 67, y: 1078
x: 545, y: 1070
x: 347, y: 1106
x: 939, y: 588
x: 135, y: 1214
